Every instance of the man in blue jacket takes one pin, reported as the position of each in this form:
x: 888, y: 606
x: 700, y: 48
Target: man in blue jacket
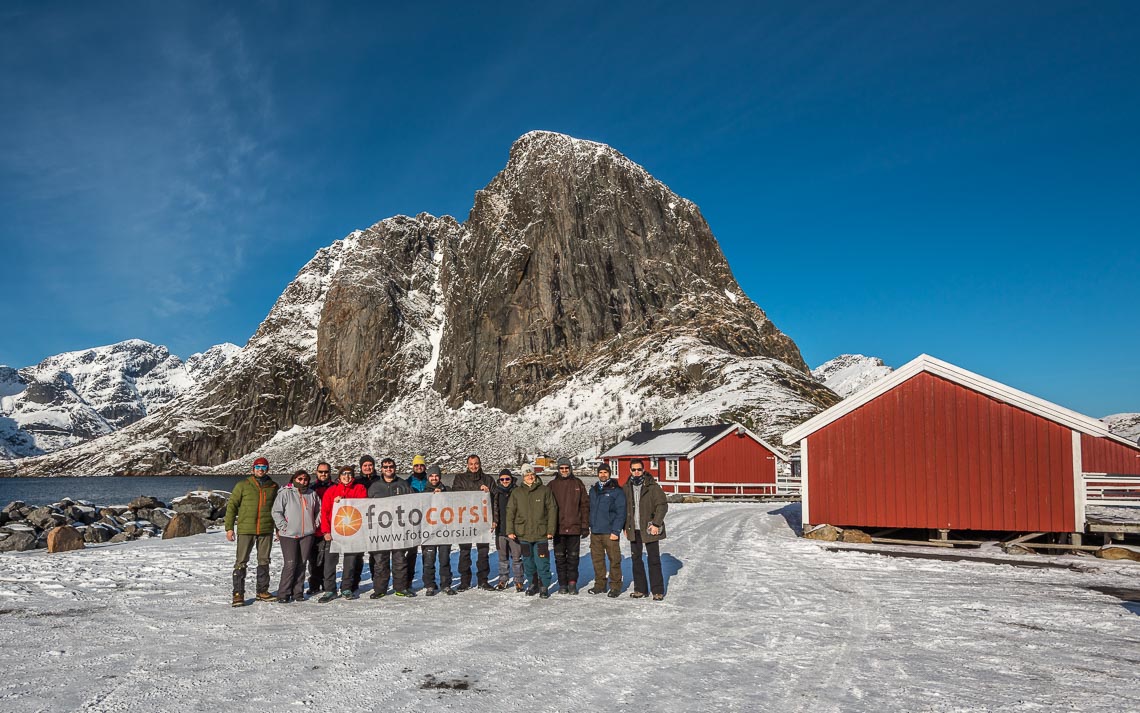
x: 607, y: 519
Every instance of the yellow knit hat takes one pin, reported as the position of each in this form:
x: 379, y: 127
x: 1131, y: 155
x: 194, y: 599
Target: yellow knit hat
x: 419, y: 460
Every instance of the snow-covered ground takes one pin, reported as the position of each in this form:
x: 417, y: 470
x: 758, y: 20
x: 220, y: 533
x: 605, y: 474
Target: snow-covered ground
x: 755, y: 619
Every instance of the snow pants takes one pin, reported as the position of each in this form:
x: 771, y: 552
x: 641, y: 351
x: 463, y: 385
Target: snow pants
x: 510, y: 559
x: 389, y: 563
x: 349, y: 577
x: 601, y: 546
x: 567, y: 550
x: 442, y: 555
x: 536, y: 561
x: 295, y: 554
x: 653, y: 554
x: 245, y: 545
x: 483, y: 567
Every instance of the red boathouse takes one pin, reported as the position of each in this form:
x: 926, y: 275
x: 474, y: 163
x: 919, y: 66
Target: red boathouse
x: 935, y: 446
x: 722, y: 459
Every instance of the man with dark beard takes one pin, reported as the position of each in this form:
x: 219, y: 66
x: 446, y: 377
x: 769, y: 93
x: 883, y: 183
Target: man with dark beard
x: 473, y: 480
x: 320, y: 546
x: 573, y: 520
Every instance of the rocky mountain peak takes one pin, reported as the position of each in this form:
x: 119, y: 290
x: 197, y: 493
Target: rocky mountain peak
x: 578, y: 284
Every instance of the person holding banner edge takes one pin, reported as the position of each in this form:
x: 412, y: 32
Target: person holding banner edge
x: 474, y: 479
x: 346, y: 487
x: 436, y: 553
x: 385, y: 563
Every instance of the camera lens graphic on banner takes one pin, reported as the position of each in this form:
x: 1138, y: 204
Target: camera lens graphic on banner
x: 347, y: 521
x: 372, y: 524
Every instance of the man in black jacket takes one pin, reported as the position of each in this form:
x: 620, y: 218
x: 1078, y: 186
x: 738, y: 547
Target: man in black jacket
x: 474, y: 480
x: 385, y: 563
x: 367, y: 477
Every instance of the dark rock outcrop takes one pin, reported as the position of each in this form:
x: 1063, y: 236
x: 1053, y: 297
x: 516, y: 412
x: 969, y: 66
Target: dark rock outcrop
x: 184, y: 524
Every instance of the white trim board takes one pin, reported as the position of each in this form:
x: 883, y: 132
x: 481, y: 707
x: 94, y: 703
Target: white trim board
x: 732, y: 429
x: 970, y: 380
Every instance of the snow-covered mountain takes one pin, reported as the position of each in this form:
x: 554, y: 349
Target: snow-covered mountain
x: 847, y: 374
x: 74, y: 397
x: 580, y: 297
x: 1124, y: 424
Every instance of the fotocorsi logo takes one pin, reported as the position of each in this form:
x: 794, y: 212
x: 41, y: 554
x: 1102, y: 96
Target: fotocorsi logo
x: 347, y: 521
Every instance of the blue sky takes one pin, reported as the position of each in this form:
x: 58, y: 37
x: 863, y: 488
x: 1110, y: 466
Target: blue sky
x: 891, y: 178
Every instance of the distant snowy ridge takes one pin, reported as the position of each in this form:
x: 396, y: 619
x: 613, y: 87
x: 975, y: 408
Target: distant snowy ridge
x: 848, y: 374
x: 1124, y: 424
x: 74, y: 397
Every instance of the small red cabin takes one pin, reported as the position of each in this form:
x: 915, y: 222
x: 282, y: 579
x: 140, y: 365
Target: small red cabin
x: 722, y: 459
x: 935, y: 446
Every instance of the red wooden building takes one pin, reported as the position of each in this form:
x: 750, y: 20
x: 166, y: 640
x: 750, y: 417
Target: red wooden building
x: 935, y: 446
x: 722, y: 459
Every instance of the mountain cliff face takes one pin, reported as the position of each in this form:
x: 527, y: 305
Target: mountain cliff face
x: 1124, y: 424
x: 77, y: 396
x: 580, y: 297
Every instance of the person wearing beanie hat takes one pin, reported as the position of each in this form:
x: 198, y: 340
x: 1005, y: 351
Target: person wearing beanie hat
x: 249, y: 510
x: 573, y: 522
x: 473, y: 480
x: 297, y: 516
x: 510, y: 551
x: 417, y: 481
x: 367, y: 477
x: 607, y: 519
x: 346, y: 487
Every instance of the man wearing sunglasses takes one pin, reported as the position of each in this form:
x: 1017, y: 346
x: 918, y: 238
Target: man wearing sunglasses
x: 389, y: 563
x: 250, y: 511
x: 645, y: 508
x: 321, y: 546
x: 510, y: 551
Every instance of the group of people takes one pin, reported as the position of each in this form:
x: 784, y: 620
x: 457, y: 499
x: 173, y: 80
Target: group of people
x: 528, y: 517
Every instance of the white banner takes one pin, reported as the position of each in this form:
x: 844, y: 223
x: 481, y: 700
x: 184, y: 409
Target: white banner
x: 372, y: 524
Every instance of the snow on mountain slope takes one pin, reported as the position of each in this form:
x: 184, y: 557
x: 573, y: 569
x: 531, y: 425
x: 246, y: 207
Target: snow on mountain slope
x: 847, y: 374
x: 1124, y: 424
x: 77, y: 396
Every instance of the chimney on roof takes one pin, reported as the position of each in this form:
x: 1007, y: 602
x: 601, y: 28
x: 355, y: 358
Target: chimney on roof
x: 646, y: 426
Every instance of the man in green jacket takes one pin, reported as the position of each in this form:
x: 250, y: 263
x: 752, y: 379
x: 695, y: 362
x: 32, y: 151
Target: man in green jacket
x: 251, y: 505
x: 532, y: 518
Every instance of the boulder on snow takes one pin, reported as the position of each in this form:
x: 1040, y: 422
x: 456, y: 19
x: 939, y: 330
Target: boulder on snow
x: 693, y: 499
x: 145, y: 501
x: 826, y: 533
x: 1114, y: 552
x: 13, y: 509
x: 184, y: 524
x: 98, y: 533
x: 46, y: 517
x: 674, y: 498
x: 17, y: 540
x: 161, y: 517
x: 121, y: 537
x: 64, y: 539
x: 853, y: 535
x: 194, y: 504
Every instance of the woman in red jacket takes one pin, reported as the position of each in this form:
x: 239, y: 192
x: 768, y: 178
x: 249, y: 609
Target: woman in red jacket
x: 346, y: 487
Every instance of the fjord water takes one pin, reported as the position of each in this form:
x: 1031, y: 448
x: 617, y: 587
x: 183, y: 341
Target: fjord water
x: 112, y: 490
